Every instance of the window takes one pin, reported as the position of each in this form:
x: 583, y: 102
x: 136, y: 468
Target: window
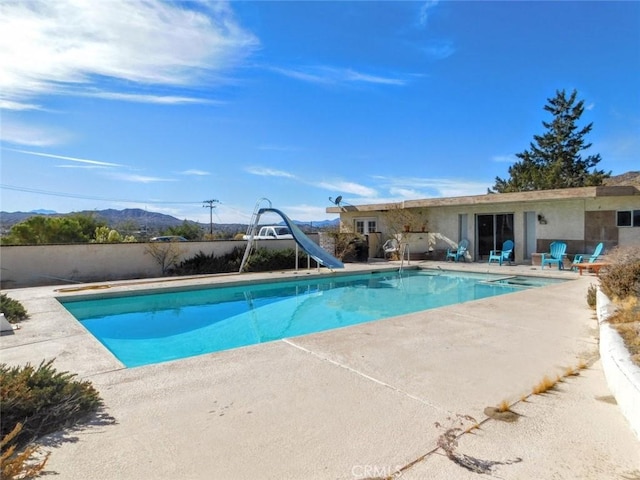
x: 628, y: 218
x: 365, y: 226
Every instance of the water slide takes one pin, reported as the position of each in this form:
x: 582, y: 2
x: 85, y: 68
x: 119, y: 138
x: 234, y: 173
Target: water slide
x: 309, y: 246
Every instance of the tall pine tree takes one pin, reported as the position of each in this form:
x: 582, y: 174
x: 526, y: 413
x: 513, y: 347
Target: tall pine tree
x: 553, y: 159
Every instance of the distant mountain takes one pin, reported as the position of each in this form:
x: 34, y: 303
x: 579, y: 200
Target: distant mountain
x: 136, y: 219
x: 315, y: 225
x: 626, y: 179
x: 141, y: 219
x: 326, y: 223
x: 43, y: 212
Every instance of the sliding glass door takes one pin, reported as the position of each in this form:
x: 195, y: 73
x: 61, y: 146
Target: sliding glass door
x: 492, y: 230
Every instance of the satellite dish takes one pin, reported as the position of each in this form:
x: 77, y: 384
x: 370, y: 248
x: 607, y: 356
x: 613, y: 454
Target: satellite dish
x: 338, y: 199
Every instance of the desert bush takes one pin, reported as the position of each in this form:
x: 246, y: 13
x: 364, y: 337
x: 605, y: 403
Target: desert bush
x: 12, y: 309
x: 621, y: 283
x: 202, y: 263
x: 630, y: 333
x: 345, y: 244
x: 15, y: 464
x: 621, y: 278
x: 43, y: 400
x: 591, y: 296
x: 261, y: 260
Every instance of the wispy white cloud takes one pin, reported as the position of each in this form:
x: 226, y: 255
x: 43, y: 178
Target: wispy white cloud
x: 71, y: 159
x: 50, y: 47
x: 405, y: 193
x: 194, y: 172
x: 504, y: 158
x: 11, y: 105
x: 85, y: 167
x: 268, y: 172
x: 342, y: 187
x: 135, y: 178
x: 308, y: 213
x: 156, y: 99
x: 17, y: 133
x: 410, y: 188
x: 425, y: 11
x: 439, y: 50
x: 336, y: 76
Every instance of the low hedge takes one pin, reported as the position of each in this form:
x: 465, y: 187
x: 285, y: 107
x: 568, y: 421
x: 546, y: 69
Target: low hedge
x: 43, y: 400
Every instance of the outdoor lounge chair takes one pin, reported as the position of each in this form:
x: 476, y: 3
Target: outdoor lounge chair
x: 458, y: 254
x: 390, y: 246
x: 502, y: 255
x: 594, y: 256
x: 555, y: 255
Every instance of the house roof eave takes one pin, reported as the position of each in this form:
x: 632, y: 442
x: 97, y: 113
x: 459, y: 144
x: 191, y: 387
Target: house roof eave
x: 497, y: 198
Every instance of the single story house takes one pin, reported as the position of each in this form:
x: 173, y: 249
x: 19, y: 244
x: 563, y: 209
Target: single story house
x: 581, y: 217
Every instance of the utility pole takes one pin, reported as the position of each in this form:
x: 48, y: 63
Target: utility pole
x: 210, y: 205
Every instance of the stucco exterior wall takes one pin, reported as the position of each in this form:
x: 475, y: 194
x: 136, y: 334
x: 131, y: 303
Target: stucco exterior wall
x: 34, y: 265
x: 580, y: 222
x: 629, y: 236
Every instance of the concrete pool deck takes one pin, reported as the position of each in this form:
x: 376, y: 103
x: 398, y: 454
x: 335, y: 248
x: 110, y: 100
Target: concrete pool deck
x: 353, y: 403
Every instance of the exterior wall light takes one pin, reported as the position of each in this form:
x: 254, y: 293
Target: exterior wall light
x: 541, y: 219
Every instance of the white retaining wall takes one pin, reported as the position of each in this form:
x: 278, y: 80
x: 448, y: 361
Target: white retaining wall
x: 623, y: 376
x: 37, y: 265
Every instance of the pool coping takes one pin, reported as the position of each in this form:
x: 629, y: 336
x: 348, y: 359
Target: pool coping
x: 130, y: 358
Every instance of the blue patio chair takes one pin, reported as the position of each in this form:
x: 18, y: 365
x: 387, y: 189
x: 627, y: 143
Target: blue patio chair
x: 502, y: 255
x: 555, y: 255
x: 458, y: 254
x: 594, y: 256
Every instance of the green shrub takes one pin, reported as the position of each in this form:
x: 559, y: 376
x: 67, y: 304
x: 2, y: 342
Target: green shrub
x: 201, y: 263
x: 42, y: 400
x: 262, y: 260
x: 12, y: 309
x: 621, y: 279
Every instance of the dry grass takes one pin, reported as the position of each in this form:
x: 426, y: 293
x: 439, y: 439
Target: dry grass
x: 621, y: 283
x: 626, y: 321
x: 630, y: 333
x: 504, y: 406
x: 544, y: 385
x: 628, y: 311
x: 19, y: 464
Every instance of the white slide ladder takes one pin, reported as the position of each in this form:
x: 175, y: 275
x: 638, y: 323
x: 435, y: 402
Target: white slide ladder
x: 251, y: 230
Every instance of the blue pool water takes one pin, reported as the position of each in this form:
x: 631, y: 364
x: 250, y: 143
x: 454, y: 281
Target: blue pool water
x: 157, y: 327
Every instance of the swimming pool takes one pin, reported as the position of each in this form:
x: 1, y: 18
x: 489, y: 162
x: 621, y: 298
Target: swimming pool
x: 156, y: 327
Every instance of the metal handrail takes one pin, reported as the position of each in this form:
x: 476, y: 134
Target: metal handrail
x: 404, y: 248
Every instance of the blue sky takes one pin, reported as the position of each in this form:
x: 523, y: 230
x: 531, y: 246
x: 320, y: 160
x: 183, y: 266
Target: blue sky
x: 162, y: 105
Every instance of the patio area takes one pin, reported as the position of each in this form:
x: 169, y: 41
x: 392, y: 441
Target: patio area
x: 353, y: 403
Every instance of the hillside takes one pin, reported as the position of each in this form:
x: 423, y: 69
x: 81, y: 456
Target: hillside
x: 131, y: 220
x: 626, y: 179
